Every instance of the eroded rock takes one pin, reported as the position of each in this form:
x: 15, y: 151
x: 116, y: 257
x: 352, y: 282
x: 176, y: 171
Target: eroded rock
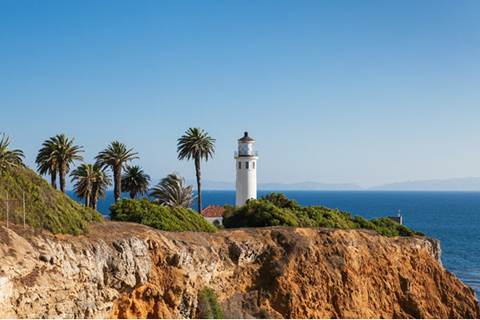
x: 127, y: 270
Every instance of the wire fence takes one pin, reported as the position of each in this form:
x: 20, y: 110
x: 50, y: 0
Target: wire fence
x: 13, y: 209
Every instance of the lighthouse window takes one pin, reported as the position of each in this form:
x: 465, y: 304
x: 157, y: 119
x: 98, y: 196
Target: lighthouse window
x: 253, y: 165
x: 239, y: 165
x: 246, y: 165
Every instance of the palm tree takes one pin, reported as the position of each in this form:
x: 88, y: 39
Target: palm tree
x: 171, y: 191
x: 84, y: 178
x: 102, y: 181
x: 135, y: 181
x: 116, y: 156
x: 9, y: 158
x: 91, y: 182
x: 65, y: 153
x: 47, y: 161
x: 196, y: 144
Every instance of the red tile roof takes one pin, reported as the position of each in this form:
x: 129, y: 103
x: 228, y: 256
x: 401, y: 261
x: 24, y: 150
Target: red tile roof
x: 213, y: 211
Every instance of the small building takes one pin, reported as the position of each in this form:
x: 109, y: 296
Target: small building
x: 214, y: 214
x: 398, y: 218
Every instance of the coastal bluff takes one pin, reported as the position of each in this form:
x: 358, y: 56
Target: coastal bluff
x: 123, y: 270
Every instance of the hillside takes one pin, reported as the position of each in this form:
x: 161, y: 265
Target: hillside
x: 125, y: 270
x: 45, y: 207
x: 454, y: 184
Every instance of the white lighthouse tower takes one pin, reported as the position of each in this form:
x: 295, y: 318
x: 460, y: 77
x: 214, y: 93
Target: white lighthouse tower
x: 246, y: 164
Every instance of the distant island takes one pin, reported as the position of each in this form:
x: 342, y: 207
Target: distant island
x: 307, y: 185
x: 453, y: 184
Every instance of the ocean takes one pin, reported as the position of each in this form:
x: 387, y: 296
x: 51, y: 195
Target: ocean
x: 451, y: 217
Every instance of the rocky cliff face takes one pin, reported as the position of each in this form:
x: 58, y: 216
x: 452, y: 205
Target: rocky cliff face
x: 127, y: 270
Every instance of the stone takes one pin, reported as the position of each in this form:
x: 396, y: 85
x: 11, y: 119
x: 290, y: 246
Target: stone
x: 124, y: 270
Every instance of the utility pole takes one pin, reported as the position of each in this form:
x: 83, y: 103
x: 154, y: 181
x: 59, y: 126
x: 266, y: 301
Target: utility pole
x: 23, y: 209
x: 6, y: 204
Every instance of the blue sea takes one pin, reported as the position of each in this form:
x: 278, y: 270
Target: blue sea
x: 451, y: 217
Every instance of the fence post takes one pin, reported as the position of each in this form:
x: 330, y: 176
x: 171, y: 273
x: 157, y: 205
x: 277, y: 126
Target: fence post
x: 23, y: 209
x: 6, y: 205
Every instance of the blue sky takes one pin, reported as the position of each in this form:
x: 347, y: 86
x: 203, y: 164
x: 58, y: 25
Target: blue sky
x: 334, y: 91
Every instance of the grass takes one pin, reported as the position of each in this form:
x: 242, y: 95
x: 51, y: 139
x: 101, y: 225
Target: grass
x: 208, y: 306
x: 45, y: 207
x: 159, y: 216
x: 277, y: 210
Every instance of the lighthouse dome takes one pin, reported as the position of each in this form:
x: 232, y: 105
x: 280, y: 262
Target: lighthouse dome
x: 246, y: 138
x: 245, y: 146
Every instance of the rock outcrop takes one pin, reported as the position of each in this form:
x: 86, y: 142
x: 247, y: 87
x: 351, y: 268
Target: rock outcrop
x: 127, y: 270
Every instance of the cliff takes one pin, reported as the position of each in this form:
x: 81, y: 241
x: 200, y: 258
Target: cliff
x: 128, y: 270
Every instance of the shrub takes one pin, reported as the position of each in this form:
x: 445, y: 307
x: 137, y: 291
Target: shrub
x: 277, y: 210
x: 158, y: 216
x: 281, y: 200
x: 208, y: 306
x: 258, y: 213
x: 317, y: 216
x: 391, y: 228
x: 263, y: 314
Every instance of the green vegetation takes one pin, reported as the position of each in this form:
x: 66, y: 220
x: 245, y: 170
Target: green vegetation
x: 45, y: 207
x: 159, y: 216
x: 259, y: 213
x: 116, y: 156
x: 278, y: 210
x: 50, y: 209
x: 196, y: 144
x: 47, y: 162
x: 91, y: 182
x: 208, y: 306
x: 135, y: 181
x: 9, y: 158
x: 172, y: 192
x: 56, y: 156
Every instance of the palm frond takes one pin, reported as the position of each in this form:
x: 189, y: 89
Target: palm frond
x: 195, y: 144
x: 83, y: 178
x: 135, y: 181
x: 116, y: 154
x: 172, y: 192
x: 101, y: 183
x: 9, y: 158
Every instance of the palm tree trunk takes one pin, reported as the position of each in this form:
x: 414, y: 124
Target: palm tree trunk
x: 93, y: 203
x: 199, y: 184
x: 53, y: 179
x: 133, y: 194
x: 87, y: 200
x: 117, y: 183
x: 62, y: 172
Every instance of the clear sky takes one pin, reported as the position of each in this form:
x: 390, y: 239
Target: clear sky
x: 366, y: 92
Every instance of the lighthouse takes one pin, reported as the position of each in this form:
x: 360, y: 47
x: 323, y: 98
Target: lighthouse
x: 246, y: 164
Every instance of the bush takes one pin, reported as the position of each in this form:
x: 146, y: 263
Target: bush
x: 45, y: 207
x: 280, y: 200
x: 317, y: 216
x: 391, y: 228
x: 159, y: 216
x: 277, y: 210
x: 258, y: 213
x: 208, y: 307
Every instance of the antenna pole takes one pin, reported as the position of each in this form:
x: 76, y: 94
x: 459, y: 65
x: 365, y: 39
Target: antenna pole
x: 7, y: 206
x: 23, y: 209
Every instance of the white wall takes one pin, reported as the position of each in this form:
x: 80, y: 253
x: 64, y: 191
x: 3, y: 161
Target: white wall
x: 213, y: 219
x: 246, y: 181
